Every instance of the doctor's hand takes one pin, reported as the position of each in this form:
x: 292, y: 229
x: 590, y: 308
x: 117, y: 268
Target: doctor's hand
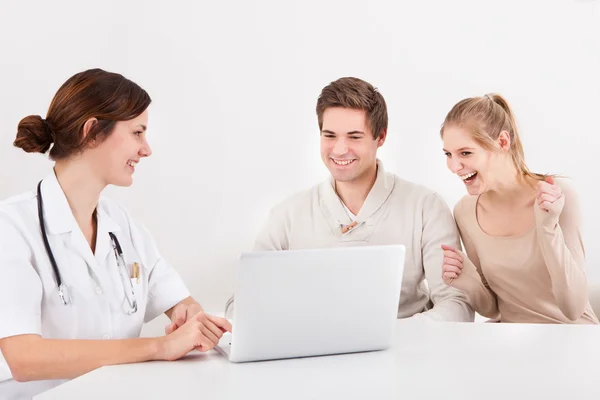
x: 180, y: 315
x: 200, y: 332
x: 549, y: 196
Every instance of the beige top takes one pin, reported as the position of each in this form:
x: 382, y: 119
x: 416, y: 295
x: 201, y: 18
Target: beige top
x: 395, y: 212
x: 536, y: 277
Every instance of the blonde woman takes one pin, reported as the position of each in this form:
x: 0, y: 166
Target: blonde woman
x: 525, y: 260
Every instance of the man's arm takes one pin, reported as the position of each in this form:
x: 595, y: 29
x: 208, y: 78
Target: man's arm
x: 439, y: 227
x: 274, y: 233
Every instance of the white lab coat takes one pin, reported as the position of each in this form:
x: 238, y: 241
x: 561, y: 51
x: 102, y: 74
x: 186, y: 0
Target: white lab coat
x: 29, y: 300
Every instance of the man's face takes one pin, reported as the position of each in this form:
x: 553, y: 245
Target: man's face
x: 348, y: 148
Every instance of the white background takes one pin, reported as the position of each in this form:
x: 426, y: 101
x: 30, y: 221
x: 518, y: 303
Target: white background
x: 235, y: 83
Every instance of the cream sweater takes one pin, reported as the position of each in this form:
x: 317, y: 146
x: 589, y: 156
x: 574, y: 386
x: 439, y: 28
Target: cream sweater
x: 395, y: 212
x: 536, y: 277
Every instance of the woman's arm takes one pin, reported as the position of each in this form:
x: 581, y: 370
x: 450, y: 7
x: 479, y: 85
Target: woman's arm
x: 189, y: 307
x: 559, y: 237
x: 469, y: 276
x: 472, y: 281
x: 31, y: 357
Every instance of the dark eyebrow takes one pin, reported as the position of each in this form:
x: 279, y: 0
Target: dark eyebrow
x: 142, y: 126
x: 348, y: 133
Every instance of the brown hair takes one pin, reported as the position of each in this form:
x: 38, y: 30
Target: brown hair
x: 106, y: 96
x: 355, y: 93
x: 485, y: 118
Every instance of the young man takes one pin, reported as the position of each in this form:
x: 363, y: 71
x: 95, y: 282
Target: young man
x: 364, y: 205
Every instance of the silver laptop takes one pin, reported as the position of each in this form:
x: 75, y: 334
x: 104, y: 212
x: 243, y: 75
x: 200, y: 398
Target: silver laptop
x: 301, y: 303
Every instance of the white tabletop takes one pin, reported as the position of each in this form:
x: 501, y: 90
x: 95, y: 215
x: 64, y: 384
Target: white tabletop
x: 428, y: 361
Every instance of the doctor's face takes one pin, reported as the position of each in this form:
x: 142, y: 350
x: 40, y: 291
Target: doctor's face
x: 116, y: 157
x: 348, y: 148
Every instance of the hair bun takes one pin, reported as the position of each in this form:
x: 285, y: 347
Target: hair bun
x: 33, y: 135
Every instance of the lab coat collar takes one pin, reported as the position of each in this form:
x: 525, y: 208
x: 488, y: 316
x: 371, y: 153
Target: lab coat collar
x: 58, y: 215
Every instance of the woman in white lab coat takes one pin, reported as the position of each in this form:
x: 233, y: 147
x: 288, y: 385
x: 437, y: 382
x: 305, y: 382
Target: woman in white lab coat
x: 78, y: 277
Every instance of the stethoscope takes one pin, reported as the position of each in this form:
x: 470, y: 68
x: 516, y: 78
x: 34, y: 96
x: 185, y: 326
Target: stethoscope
x: 62, y: 289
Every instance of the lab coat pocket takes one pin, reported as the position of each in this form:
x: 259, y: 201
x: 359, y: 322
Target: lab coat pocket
x: 138, y: 275
x: 137, y: 282
x: 135, y: 273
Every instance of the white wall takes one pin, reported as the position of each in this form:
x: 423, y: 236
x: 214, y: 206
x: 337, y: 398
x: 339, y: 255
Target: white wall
x: 234, y: 84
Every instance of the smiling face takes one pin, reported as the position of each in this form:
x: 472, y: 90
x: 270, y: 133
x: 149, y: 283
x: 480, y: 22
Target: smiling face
x: 483, y: 146
x: 475, y: 165
x: 348, y: 147
x: 116, y: 157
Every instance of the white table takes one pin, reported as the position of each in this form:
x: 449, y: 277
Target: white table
x: 428, y: 361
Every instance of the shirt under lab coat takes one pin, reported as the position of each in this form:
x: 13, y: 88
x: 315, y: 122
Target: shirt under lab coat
x: 97, y: 309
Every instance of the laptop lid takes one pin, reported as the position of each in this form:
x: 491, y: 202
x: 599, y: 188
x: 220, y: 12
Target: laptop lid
x: 300, y: 303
